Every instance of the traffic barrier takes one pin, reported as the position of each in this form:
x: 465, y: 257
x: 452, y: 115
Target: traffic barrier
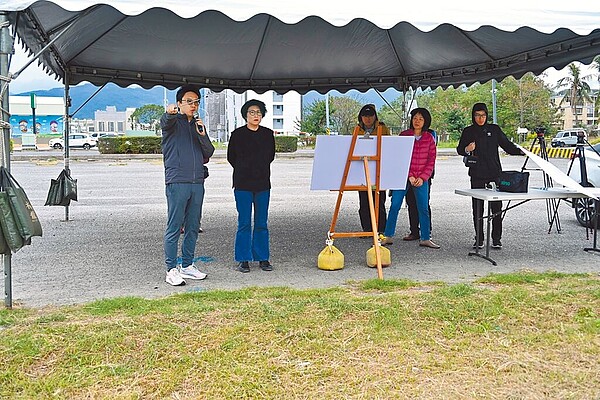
x: 555, y: 152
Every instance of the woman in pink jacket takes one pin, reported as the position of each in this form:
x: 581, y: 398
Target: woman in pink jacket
x: 421, y: 168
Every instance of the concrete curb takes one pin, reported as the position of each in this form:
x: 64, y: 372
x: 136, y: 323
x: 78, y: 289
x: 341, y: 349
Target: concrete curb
x: 80, y: 155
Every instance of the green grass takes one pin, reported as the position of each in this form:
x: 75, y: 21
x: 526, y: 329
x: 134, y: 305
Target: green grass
x: 522, y: 335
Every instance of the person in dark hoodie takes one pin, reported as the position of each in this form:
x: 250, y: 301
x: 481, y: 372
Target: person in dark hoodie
x: 185, y: 147
x: 250, y: 152
x: 482, y: 140
x: 368, y: 124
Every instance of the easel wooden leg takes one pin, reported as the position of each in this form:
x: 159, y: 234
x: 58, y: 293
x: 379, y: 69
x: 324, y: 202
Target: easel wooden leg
x: 373, y: 219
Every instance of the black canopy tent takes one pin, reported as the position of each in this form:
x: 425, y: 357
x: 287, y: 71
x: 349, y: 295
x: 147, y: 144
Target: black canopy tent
x: 99, y: 43
x: 158, y: 47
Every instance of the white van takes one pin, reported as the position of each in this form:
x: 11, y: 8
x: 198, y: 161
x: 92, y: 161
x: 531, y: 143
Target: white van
x: 567, y: 138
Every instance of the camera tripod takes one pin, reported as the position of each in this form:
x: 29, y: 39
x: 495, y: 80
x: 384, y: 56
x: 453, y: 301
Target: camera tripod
x: 588, y: 207
x: 551, y: 204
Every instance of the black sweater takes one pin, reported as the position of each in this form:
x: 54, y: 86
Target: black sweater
x: 487, y: 138
x: 250, y: 153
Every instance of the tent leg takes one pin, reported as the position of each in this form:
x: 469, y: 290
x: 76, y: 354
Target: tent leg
x: 6, y: 46
x: 67, y: 131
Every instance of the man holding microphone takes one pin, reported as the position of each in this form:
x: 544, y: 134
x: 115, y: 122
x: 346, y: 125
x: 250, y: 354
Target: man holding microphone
x: 185, y: 147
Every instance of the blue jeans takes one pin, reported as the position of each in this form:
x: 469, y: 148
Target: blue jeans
x: 184, y: 208
x: 422, y: 197
x: 252, y: 244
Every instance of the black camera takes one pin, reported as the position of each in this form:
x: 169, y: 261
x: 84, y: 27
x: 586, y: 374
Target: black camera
x: 540, y: 131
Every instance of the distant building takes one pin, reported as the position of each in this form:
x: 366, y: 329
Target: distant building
x: 82, y: 125
x: 283, y: 110
x: 586, y: 117
x: 111, y: 120
x: 220, y: 112
x: 49, y: 113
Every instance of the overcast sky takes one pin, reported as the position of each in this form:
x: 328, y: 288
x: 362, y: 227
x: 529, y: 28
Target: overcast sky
x: 581, y: 16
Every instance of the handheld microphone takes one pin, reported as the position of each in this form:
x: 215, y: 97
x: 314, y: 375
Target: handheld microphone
x: 200, y: 127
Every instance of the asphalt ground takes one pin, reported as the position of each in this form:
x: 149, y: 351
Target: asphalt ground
x: 112, y: 244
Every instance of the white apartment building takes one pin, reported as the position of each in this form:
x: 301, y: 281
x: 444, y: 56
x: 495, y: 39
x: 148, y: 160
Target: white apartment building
x: 283, y: 110
x: 113, y: 121
x: 221, y: 111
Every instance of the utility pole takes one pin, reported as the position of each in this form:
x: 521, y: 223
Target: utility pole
x: 327, y: 112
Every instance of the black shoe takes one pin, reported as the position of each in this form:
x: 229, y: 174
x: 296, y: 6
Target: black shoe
x: 243, y: 267
x: 265, y: 266
x: 478, y: 245
x: 496, y: 244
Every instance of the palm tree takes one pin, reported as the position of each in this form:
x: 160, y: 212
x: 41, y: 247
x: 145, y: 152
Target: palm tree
x: 577, y: 88
x: 596, y: 66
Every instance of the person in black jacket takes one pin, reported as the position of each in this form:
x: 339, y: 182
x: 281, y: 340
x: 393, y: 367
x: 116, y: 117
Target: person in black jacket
x: 250, y: 152
x: 185, y: 147
x: 482, y: 140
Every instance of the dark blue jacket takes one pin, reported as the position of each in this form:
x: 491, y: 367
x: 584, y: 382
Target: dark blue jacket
x: 182, y: 149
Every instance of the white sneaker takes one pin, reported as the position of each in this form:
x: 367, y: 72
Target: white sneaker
x: 174, y: 277
x: 192, y: 272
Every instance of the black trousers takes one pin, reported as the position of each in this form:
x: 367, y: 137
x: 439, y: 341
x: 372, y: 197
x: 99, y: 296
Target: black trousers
x: 365, y: 213
x: 413, y: 213
x: 496, y: 206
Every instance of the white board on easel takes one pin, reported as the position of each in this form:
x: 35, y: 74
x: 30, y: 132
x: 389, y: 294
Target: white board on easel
x: 331, y: 154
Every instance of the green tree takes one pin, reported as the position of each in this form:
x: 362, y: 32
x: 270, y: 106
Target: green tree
x: 313, y: 117
x: 524, y: 103
x: 450, y: 110
x: 148, y: 115
x: 577, y: 89
x: 392, y: 116
x: 596, y: 66
x: 344, y: 116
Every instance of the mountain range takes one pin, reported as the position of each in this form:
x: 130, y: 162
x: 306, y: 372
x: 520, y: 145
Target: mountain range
x: 133, y: 97
x: 110, y: 95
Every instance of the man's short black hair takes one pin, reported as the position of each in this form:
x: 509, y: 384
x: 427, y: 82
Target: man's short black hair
x: 184, y: 89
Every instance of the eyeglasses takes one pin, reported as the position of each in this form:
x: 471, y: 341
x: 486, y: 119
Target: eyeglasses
x: 190, y: 102
x: 480, y: 115
x: 255, y: 113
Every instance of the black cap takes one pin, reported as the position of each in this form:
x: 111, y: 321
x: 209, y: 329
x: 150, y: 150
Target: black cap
x: 368, y: 111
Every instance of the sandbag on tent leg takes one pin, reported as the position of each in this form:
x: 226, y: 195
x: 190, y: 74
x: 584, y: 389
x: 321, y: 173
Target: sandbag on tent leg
x: 25, y: 216
x: 62, y: 190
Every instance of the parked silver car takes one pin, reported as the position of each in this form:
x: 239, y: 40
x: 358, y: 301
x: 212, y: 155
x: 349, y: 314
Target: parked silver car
x: 584, y: 208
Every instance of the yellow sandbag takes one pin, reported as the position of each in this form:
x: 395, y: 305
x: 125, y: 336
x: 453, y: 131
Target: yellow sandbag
x: 330, y: 259
x: 386, y: 257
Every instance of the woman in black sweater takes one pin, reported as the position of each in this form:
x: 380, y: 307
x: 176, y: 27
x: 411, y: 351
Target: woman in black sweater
x: 250, y: 151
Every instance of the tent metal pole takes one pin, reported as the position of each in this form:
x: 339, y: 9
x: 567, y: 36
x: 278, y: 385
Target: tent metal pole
x: 46, y: 47
x: 6, y: 45
x: 495, y: 119
x: 67, y: 130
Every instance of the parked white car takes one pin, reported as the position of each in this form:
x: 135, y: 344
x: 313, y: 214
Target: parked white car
x: 567, y: 138
x: 75, y: 140
x: 592, y: 164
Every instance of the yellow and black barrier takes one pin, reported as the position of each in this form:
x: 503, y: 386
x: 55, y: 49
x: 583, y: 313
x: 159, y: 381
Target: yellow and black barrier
x: 555, y: 152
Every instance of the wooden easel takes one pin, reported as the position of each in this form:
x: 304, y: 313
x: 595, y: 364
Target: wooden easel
x: 373, y: 203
